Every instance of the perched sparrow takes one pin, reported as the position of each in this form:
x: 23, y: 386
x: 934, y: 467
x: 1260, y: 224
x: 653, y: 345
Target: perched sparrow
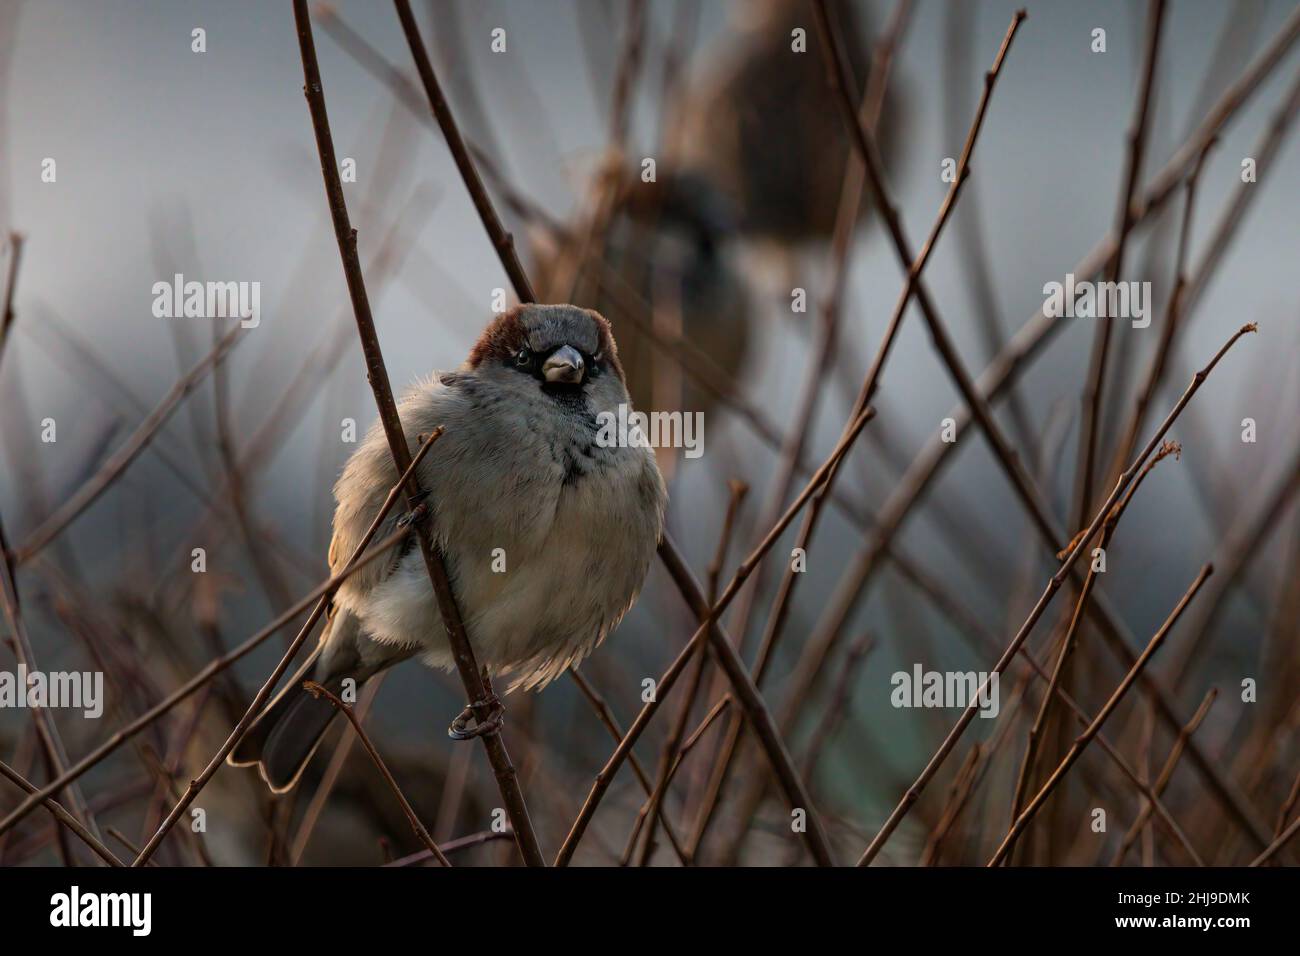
x: 547, y: 533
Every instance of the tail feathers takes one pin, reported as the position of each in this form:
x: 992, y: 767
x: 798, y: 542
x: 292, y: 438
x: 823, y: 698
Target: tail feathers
x: 283, y: 738
x: 296, y: 735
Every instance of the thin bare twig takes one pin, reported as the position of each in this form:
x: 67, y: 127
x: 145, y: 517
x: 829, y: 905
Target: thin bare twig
x: 113, y: 468
x: 47, y: 730
x: 1029, y: 764
x: 1137, y: 138
x: 1088, y: 734
x: 64, y: 818
x: 259, y: 700
x: 316, y: 690
x: 502, y: 241
x: 1166, y: 774
x: 1053, y: 585
x: 747, y: 694
x: 669, y: 755
x: 476, y: 689
x: 211, y: 670
x: 451, y: 846
x: 606, y: 717
x: 1282, y: 840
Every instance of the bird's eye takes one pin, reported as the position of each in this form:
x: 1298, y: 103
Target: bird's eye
x: 523, y: 357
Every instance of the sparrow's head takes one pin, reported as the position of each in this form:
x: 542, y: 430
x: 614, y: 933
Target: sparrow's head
x: 566, y: 352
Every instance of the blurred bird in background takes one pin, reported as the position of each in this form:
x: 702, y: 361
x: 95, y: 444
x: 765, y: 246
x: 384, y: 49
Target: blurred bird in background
x: 753, y: 161
x: 756, y: 123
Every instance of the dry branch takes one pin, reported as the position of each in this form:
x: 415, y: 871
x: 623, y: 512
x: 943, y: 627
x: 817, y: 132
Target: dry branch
x: 1053, y: 585
x: 316, y: 690
x: 476, y: 689
x: 1091, y: 731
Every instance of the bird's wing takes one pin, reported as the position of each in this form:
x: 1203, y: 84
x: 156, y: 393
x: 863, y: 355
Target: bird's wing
x: 370, y: 474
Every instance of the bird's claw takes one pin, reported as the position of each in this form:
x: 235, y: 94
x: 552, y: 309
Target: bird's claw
x: 460, y: 728
x: 417, y: 513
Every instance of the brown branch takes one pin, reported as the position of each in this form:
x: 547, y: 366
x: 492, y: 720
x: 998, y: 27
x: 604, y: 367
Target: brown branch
x: 259, y: 700
x: 121, y: 838
x: 606, y: 774
x: 962, y: 786
x: 968, y: 623
x: 606, y: 717
x: 1282, y: 840
x: 47, y: 730
x: 502, y: 241
x: 472, y: 678
x: 1088, y: 734
x: 113, y: 468
x: 451, y: 846
x: 316, y: 690
x: 1137, y: 138
x: 1053, y: 585
x: 64, y: 818
x: 1173, y: 314
x: 1029, y: 764
x: 1166, y: 774
x: 211, y: 670
x: 338, y: 759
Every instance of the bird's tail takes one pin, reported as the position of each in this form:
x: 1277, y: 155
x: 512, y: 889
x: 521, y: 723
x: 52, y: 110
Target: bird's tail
x: 284, y: 736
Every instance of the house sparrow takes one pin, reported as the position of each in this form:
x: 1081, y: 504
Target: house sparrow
x: 548, y: 534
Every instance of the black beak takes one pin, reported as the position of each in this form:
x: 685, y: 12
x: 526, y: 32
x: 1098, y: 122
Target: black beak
x: 564, y: 365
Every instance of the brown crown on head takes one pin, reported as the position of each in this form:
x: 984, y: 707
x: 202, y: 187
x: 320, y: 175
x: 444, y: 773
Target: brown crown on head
x: 543, y: 328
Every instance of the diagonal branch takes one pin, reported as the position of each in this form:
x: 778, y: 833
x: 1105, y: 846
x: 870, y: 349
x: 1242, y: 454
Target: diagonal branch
x: 316, y: 690
x: 113, y: 468
x: 65, y: 818
x: 748, y: 695
x: 1053, y: 585
x: 476, y: 689
x: 780, y: 609
x: 325, y: 590
x: 1082, y: 741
